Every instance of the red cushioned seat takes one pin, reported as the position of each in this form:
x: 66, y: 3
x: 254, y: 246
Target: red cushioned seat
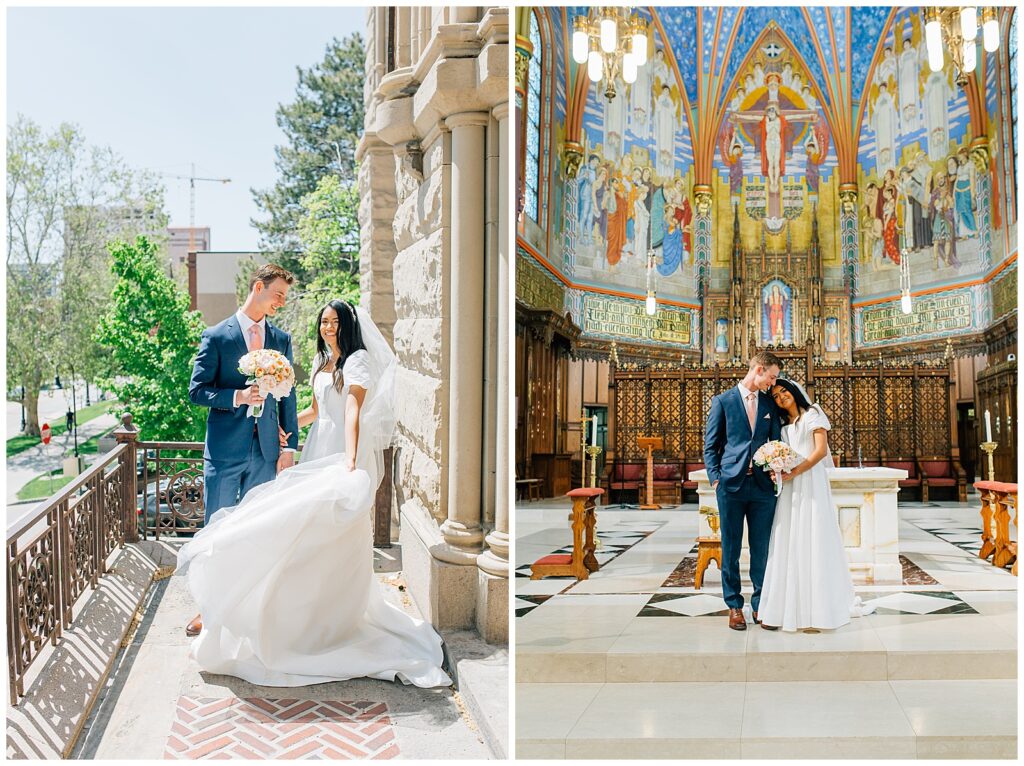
x: 555, y: 558
x: 666, y: 472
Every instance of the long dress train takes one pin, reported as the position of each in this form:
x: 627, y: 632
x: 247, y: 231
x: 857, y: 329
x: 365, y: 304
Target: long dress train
x: 284, y: 580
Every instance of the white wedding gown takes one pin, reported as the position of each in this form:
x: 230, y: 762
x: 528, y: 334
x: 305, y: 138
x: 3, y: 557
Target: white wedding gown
x: 284, y: 580
x: 807, y: 581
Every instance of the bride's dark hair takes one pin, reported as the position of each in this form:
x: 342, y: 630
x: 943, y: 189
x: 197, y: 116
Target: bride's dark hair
x: 802, y: 405
x: 349, y: 338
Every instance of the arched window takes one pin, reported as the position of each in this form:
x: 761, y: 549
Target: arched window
x: 1013, y: 95
x: 533, y: 111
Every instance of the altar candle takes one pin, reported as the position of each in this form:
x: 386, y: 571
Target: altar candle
x: 988, y: 427
x: 593, y: 431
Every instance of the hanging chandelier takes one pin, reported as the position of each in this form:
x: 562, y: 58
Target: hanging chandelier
x: 611, y: 42
x: 958, y: 28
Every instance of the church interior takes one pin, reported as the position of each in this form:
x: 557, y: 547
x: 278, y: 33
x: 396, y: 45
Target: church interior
x: 837, y: 186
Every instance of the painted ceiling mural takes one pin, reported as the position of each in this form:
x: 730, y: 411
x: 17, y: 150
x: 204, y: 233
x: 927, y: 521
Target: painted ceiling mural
x: 772, y: 106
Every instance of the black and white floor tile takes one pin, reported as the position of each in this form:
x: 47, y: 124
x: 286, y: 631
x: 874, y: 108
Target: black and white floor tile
x: 711, y: 604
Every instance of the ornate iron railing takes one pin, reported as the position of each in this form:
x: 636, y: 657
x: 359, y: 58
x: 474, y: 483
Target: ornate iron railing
x: 62, y: 548
x: 59, y: 551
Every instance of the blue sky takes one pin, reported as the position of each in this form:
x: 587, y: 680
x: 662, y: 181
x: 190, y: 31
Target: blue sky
x: 165, y: 87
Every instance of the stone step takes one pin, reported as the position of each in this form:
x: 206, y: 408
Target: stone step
x: 874, y: 719
x: 873, y: 648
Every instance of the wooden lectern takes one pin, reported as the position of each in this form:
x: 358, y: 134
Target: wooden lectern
x: 650, y: 443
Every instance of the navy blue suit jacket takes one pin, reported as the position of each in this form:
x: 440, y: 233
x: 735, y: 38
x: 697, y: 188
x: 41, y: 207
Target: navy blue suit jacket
x: 215, y: 378
x: 729, y: 444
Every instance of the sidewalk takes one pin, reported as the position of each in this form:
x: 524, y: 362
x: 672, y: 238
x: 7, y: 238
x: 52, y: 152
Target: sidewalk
x: 158, y: 705
x: 42, y: 458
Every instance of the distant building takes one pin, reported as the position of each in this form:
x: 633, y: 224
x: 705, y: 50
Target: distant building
x: 212, y: 278
x: 181, y: 240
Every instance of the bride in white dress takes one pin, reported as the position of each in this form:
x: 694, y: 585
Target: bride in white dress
x: 284, y: 580
x: 807, y: 583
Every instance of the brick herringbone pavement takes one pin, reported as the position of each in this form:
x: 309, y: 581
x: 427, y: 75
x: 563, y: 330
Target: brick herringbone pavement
x: 257, y: 728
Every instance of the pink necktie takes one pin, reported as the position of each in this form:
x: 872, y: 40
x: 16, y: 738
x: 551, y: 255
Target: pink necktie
x: 751, y: 410
x: 256, y: 339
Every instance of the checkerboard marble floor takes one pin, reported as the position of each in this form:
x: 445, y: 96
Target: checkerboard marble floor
x: 597, y: 677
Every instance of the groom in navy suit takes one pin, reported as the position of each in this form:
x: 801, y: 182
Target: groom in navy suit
x: 740, y: 421
x: 243, y: 452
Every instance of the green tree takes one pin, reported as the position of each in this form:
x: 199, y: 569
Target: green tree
x: 322, y: 127
x: 329, y: 235
x: 64, y: 200
x: 152, y: 337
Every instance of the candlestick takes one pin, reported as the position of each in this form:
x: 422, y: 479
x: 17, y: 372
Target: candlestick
x: 593, y: 430
x: 988, y: 427
x: 593, y: 450
x: 583, y: 449
x: 990, y: 447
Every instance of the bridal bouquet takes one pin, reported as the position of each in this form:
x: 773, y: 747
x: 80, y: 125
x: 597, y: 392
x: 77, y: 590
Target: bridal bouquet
x: 777, y: 456
x: 271, y: 371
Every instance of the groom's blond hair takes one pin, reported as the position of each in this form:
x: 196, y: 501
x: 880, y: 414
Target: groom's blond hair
x: 766, y: 359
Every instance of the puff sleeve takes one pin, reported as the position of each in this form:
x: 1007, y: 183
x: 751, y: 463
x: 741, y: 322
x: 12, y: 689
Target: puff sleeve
x: 357, y: 370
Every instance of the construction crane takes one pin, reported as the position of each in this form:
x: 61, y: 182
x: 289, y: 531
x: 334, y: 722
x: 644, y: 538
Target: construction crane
x: 192, y: 178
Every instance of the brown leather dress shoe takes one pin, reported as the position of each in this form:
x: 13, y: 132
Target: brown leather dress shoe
x: 194, y: 627
x: 736, y: 621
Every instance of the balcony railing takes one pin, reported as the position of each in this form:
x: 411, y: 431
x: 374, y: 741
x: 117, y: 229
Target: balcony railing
x: 62, y: 549
x: 55, y: 554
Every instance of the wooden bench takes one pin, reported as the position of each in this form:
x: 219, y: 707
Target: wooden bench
x: 581, y: 562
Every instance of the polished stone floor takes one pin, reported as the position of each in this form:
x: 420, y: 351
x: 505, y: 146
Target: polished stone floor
x: 634, y: 662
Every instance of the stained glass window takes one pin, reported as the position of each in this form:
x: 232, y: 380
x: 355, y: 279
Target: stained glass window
x: 1013, y: 94
x: 533, y: 104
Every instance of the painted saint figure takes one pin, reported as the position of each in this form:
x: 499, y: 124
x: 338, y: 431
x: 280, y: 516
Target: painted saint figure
x: 615, y: 201
x: 773, y: 132
x: 665, y: 132
x: 832, y: 334
x: 936, y: 97
x: 909, y: 85
x: 640, y: 104
x: 890, y: 234
x: 585, y: 180
x: 964, y: 194
x: 775, y: 314
x: 722, y: 335
x: 885, y: 125
x: 615, y: 123
x: 943, y: 215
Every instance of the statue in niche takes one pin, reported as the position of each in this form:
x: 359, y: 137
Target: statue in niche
x: 586, y: 180
x: 615, y: 123
x: 909, y: 84
x: 936, y: 96
x: 964, y: 195
x: 832, y: 334
x: 776, y: 313
x: 884, y: 124
x: 943, y: 215
x: 722, y: 335
x: 640, y: 99
x: 665, y: 111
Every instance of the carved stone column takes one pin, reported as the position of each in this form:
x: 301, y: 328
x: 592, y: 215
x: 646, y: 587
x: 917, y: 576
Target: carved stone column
x: 461, y: 529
